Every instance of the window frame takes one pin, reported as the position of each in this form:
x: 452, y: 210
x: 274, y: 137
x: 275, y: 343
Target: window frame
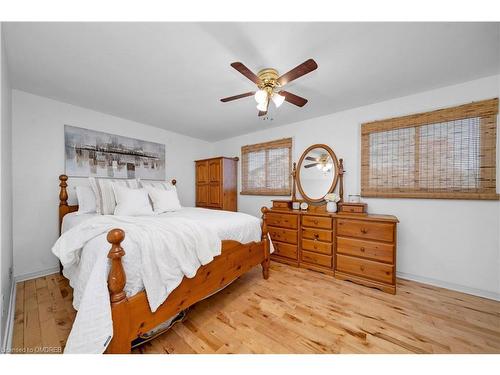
x: 265, y: 146
x: 485, y: 110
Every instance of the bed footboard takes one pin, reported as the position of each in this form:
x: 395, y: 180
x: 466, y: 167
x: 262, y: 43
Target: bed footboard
x: 133, y: 317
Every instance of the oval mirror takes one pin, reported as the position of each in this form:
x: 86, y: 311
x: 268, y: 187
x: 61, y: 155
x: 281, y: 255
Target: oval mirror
x: 317, y: 173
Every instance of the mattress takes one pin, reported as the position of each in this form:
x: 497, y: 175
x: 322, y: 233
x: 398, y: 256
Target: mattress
x: 227, y: 225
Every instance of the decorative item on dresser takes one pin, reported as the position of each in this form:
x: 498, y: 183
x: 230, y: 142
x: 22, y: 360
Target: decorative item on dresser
x: 216, y: 181
x: 349, y: 244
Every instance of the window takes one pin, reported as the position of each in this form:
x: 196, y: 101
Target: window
x: 266, y: 168
x: 448, y: 153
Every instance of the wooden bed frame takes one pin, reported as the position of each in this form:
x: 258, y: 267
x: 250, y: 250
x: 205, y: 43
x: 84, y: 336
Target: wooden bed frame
x: 132, y: 316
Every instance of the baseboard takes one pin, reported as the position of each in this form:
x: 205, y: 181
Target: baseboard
x: 34, y: 275
x: 447, y: 285
x: 9, y: 326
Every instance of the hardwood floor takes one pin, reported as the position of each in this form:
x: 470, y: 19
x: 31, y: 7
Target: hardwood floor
x: 283, y: 315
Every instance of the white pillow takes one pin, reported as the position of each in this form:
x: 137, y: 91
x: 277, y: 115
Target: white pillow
x: 163, y: 200
x: 165, y: 185
x: 131, y: 202
x: 105, y: 197
x: 86, y: 200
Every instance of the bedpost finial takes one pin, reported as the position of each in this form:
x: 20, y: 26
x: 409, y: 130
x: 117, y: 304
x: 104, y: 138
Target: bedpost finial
x: 116, y: 277
x: 115, y: 236
x: 63, y: 193
x: 264, y: 210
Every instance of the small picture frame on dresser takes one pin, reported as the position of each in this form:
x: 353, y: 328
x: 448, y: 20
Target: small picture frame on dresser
x: 296, y: 205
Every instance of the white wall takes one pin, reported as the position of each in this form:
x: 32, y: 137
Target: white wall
x: 6, y: 256
x: 38, y: 160
x: 452, y: 243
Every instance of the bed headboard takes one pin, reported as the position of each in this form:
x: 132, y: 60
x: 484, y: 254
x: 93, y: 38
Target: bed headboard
x: 64, y: 207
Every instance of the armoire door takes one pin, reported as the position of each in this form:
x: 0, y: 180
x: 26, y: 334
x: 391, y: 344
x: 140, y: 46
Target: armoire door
x: 201, y: 194
x: 214, y: 170
x: 202, y: 172
x: 214, y: 195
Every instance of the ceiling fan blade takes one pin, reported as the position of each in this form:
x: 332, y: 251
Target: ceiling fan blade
x: 294, y: 99
x: 229, y: 98
x: 311, y: 165
x: 311, y: 158
x: 304, y: 68
x: 246, y: 72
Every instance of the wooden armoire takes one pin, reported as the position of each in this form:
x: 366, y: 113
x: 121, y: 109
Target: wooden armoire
x: 216, y: 183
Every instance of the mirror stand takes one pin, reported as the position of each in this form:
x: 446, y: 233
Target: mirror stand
x: 294, y: 176
x: 341, y: 179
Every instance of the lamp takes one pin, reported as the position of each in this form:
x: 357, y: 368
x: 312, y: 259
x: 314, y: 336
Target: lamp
x: 261, y: 96
x: 278, y: 99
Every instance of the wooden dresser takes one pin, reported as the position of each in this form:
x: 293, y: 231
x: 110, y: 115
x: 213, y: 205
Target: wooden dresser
x: 357, y: 247
x: 216, y: 183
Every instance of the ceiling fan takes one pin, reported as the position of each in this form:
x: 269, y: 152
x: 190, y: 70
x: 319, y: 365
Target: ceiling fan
x: 322, y: 162
x: 269, y: 83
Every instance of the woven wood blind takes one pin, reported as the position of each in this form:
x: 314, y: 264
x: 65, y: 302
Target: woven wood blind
x: 266, y: 168
x: 448, y: 153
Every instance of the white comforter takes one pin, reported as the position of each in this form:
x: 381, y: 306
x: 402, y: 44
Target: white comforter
x: 160, y: 251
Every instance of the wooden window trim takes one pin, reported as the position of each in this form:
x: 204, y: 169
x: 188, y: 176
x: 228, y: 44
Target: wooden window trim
x: 265, y: 146
x: 486, y: 110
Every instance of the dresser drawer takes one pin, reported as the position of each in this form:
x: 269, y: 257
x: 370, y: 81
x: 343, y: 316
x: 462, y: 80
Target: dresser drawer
x: 365, y: 268
x: 281, y: 205
x: 315, y: 258
x: 317, y: 234
x: 317, y: 246
x: 285, y: 250
x: 353, y: 208
x: 281, y: 220
x: 284, y: 235
x: 366, y: 229
x: 317, y: 222
x: 378, y: 251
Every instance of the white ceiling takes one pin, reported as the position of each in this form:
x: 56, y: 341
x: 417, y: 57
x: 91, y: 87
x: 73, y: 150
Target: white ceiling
x: 172, y: 75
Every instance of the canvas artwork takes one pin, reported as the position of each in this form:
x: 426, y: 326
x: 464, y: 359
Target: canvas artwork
x: 97, y: 154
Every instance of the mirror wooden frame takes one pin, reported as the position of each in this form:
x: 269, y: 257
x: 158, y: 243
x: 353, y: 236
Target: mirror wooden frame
x: 338, y: 173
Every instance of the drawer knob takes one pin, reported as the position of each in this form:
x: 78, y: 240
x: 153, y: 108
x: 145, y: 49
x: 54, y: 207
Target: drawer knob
x: 363, y: 230
x: 362, y: 268
x: 315, y: 246
x: 362, y: 249
x: 316, y: 235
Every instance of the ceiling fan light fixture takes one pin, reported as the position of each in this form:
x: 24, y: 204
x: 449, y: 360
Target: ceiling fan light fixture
x: 278, y: 99
x: 262, y: 106
x: 261, y: 96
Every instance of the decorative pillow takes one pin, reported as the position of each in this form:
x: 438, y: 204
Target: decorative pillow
x: 164, y: 185
x: 163, y: 200
x: 105, y: 197
x: 131, y: 202
x: 86, y: 200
